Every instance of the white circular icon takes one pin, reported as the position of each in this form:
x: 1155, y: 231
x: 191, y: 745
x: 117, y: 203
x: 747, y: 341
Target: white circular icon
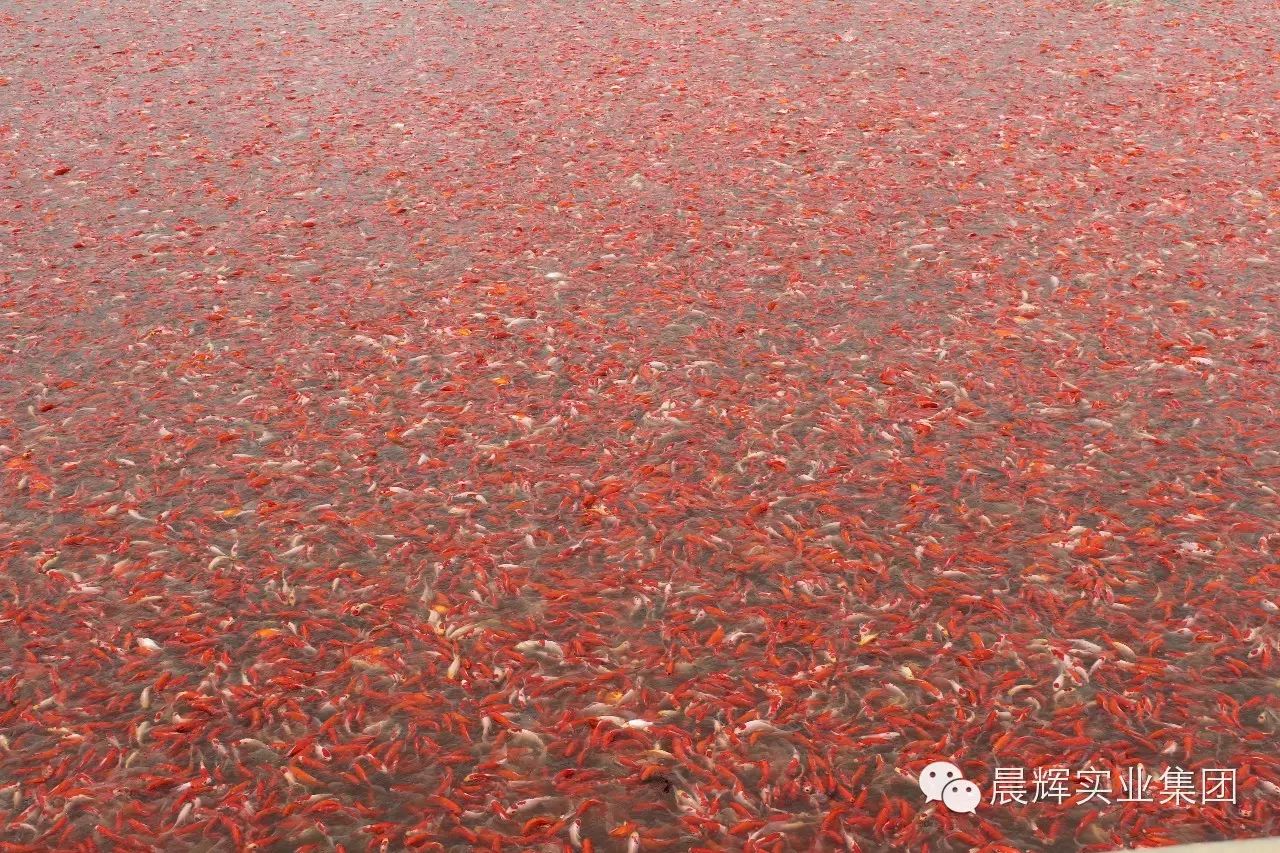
x: 935, y: 777
x: 961, y: 795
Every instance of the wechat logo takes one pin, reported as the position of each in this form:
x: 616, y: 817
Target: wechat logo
x: 943, y: 781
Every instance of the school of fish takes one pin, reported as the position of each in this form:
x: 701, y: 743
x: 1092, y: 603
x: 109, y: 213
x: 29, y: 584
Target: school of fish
x: 649, y: 426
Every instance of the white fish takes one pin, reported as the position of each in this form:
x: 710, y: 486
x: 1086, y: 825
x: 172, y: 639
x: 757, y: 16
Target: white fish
x: 1086, y: 646
x: 541, y: 648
